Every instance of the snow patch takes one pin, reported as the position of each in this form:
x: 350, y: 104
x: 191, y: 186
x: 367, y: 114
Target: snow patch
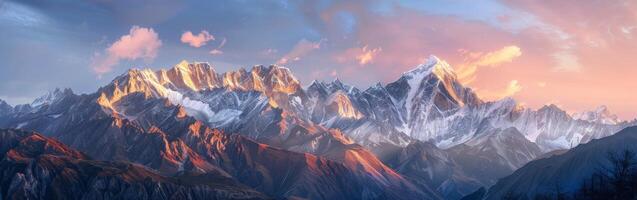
x: 193, y: 106
x: 225, y: 116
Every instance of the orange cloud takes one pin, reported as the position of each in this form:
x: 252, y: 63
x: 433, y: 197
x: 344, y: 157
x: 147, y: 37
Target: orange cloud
x: 140, y: 42
x: 367, y: 55
x: 196, y: 40
x: 511, y: 89
x: 362, y: 56
x: 467, y: 71
x: 301, y: 48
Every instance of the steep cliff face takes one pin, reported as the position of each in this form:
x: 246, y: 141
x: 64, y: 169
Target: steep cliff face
x: 36, y: 167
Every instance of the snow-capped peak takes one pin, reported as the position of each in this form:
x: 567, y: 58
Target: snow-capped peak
x: 50, y: 97
x: 433, y: 65
x: 315, y: 83
x: 550, y: 107
x: 336, y: 84
x: 5, y: 107
x: 377, y: 85
x: 433, y: 68
x: 600, y: 115
x: 183, y: 64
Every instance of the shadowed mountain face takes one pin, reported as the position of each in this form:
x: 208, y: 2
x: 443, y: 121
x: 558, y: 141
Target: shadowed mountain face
x: 495, y: 154
x: 567, y: 171
x: 426, y: 165
x: 424, y: 136
x: 36, y: 167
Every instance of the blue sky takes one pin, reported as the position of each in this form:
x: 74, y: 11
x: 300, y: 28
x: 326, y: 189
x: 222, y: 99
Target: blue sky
x: 53, y: 42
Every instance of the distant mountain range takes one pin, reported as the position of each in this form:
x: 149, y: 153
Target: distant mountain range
x: 423, y: 136
x: 566, y: 173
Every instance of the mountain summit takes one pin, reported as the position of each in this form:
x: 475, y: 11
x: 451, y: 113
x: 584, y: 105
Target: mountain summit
x: 259, y: 127
x: 599, y: 115
x: 433, y: 65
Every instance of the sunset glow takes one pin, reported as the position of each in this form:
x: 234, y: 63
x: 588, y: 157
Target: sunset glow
x: 318, y: 99
x: 575, y: 54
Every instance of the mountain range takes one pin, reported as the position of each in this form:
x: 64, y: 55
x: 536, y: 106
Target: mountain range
x: 190, y: 131
x: 567, y: 172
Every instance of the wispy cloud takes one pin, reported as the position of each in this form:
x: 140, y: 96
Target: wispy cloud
x: 301, y: 48
x: 268, y: 52
x: 473, y: 60
x: 566, y: 61
x: 362, y: 56
x: 196, y: 40
x: 139, y: 43
x: 511, y: 89
x: 218, y: 51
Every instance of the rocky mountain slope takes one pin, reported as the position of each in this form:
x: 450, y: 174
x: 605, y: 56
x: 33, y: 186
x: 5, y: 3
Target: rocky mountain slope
x: 152, y: 131
x: 425, y: 132
x: 566, y: 171
x: 426, y: 165
x: 36, y: 167
x: 494, y: 154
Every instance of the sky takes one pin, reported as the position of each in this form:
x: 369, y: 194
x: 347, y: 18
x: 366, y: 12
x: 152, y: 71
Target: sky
x: 577, y: 54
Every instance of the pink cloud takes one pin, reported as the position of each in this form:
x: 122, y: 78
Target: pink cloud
x: 601, y: 48
x: 580, y: 53
x: 301, y: 48
x: 139, y: 43
x: 590, y: 26
x: 511, y: 89
x: 592, y: 22
x: 362, y: 56
x: 407, y: 38
x: 196, y: 40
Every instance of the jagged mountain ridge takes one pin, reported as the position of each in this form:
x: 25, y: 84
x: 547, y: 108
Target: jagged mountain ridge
x: 154, y: 132
x: 599, y: 115
x: 426, y: 103
x: 330, y: 120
